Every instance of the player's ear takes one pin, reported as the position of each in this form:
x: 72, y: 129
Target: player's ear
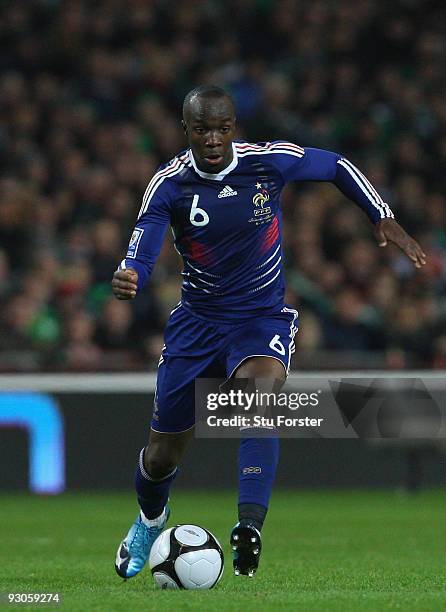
x: 183, y: 123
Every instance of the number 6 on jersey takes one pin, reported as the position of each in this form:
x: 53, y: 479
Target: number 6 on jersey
x: 196, y: 211
x: 276, y: 345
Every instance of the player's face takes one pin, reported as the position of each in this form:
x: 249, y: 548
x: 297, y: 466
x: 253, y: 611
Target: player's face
x: 210, y: 128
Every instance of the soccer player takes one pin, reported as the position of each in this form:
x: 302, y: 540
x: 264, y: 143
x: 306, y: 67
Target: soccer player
x: 222, y: 200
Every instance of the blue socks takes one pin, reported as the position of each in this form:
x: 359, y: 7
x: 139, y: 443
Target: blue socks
x: 152, y: 493
x: 258, y: 458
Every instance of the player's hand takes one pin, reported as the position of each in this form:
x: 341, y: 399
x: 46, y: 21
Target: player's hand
x: 389, y: 229
x: 125, y: 284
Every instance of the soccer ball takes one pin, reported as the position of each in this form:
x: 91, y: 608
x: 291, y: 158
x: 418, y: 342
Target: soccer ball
x: 186, y: 557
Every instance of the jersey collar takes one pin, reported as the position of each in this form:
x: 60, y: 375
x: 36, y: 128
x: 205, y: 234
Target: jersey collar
x: 221, y: 175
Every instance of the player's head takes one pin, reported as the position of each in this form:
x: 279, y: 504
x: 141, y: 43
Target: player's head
x: 209, y: 123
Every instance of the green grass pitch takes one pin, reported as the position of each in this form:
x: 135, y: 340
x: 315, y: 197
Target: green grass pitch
x: 344, y: 551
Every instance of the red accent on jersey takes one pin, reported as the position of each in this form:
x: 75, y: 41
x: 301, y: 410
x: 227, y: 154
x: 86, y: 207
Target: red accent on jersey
x: 198, y: 252
x: 270, y: 236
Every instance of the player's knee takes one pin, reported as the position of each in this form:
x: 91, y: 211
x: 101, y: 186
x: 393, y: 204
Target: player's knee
x: 261, y: 367
x: 159, y: 463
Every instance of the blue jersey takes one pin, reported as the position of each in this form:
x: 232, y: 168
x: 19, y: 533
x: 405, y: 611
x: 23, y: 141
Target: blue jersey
x: 227, y: 226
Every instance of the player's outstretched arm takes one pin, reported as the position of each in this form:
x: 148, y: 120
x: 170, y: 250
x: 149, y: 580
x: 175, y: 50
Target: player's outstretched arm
x: 125, y: 284
x: 146, y: 241
x: 389, y: 230
x: 318, y: 165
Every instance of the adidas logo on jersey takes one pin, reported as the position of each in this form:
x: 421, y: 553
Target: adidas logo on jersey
x: 227, y: 192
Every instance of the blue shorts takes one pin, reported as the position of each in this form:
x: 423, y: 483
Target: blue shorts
x: 197, y: 348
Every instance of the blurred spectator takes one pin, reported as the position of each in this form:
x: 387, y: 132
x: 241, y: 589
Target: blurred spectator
x: 352, y: 325
x: 79, y: 352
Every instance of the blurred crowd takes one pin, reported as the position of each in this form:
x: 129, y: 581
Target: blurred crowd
x: 90, y: 104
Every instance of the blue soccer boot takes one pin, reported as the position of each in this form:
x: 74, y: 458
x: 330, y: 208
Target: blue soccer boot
x: 134, y: 550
